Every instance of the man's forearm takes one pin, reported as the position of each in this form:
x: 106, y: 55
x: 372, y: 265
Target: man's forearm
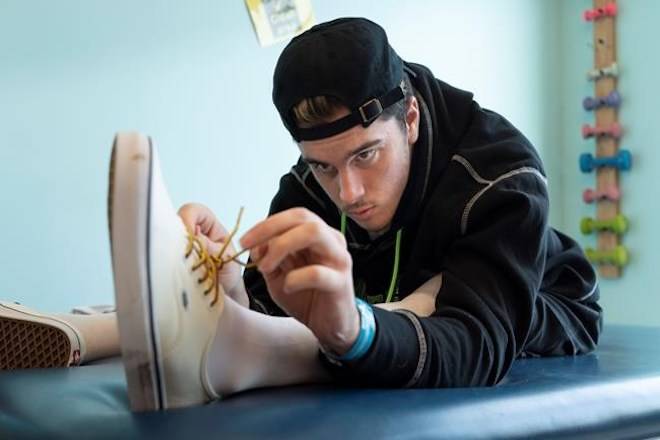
x: 421, y: 302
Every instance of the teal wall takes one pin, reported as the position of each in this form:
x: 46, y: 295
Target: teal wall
x: 72, y: 73
x: 194, y: 78
x: 634, y: 298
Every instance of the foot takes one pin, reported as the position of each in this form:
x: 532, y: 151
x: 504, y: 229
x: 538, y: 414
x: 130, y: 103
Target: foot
x: 167, y: 295
x: 29, y: 339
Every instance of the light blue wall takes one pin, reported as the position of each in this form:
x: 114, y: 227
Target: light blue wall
x: 193, y: 77
x: 634, y: 298
x: 74, y: 72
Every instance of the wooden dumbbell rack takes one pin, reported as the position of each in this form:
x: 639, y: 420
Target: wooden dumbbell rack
x: 604, y: 32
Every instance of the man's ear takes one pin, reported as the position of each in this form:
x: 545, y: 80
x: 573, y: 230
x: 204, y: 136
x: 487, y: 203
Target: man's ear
x: 412, y: 120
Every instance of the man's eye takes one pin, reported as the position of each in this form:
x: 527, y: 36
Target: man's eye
x: 366, y: 155
x: 321, y: 167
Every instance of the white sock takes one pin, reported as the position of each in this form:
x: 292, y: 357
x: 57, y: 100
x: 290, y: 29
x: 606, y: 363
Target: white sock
x: 99, y: 332
x: 253, y: 350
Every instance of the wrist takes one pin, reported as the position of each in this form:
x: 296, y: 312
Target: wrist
x: 362, y: 342
x: 342, y: 340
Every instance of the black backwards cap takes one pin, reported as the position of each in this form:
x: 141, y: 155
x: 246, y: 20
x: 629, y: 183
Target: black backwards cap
x: 349, y: 59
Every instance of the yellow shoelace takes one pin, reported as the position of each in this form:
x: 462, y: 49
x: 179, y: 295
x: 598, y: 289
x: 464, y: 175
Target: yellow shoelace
x: 214, y: 263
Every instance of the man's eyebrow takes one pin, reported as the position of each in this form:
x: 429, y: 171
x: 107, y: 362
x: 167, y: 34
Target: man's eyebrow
x: 358, y: 150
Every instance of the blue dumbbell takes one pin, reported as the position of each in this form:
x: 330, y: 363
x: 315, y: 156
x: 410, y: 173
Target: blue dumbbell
x: 622, y: 161
x: 611, y: 100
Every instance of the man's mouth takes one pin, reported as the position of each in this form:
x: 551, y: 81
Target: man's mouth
x: 361, y: 213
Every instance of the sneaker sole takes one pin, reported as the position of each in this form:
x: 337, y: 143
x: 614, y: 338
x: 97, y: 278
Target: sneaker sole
x: 32, y: 342
x: 129, y: 195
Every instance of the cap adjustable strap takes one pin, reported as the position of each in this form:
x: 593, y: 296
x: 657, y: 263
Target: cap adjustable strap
x: 364, y: 114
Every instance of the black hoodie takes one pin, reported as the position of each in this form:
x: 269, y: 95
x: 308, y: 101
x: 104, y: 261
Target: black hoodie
x: 475, y: 209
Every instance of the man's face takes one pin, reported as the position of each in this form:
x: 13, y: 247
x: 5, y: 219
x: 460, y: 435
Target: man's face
x: 365, y: 170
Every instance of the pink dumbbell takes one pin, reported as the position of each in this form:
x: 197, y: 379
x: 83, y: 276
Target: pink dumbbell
x: 614, y: 130
x: 610, y: 193
x: 609, y: 10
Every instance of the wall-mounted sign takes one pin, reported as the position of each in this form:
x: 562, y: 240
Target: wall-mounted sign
x: 278, y: 20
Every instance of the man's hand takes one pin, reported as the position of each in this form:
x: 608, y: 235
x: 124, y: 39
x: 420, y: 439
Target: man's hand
x: 307, y: 269
x: 203, y: 223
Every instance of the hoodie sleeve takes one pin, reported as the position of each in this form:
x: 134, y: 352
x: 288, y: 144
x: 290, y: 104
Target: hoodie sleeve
x: 490, y: 303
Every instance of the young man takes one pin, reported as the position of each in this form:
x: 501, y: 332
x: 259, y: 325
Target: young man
x: 407, y: 195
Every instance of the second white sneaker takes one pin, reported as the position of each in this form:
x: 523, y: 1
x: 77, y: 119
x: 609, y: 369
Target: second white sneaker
x: 29, y: 339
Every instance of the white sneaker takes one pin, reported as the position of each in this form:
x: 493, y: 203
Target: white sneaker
x: 33, y: 340
x: 167, y: 306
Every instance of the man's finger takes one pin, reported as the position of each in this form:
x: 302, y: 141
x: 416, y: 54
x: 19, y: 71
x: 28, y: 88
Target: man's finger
x: 257, y: 252
x: 189, y: 222
x: 315, y: 237
x: 316, y: 276
x: 200, y: 219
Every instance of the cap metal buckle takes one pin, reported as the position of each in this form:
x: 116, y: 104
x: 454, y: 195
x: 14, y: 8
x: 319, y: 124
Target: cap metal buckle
x: 364, y: 108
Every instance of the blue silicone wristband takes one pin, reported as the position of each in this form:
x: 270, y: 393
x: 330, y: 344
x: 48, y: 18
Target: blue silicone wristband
x: 367, y: 333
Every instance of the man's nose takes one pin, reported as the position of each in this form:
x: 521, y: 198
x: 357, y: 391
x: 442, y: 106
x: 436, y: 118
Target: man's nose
x: 350, y: 187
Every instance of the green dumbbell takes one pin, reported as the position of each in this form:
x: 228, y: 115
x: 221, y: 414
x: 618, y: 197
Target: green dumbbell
x: 618, y: 224
x: 617, y: 256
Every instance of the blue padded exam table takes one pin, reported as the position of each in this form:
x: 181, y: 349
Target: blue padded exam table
x: 611, y: 394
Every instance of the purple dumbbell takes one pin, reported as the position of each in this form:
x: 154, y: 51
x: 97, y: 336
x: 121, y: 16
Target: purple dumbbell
x: 622, y: 160
x: 611, y: 100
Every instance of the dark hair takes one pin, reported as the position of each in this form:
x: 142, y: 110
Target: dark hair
x: 319, y: 110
